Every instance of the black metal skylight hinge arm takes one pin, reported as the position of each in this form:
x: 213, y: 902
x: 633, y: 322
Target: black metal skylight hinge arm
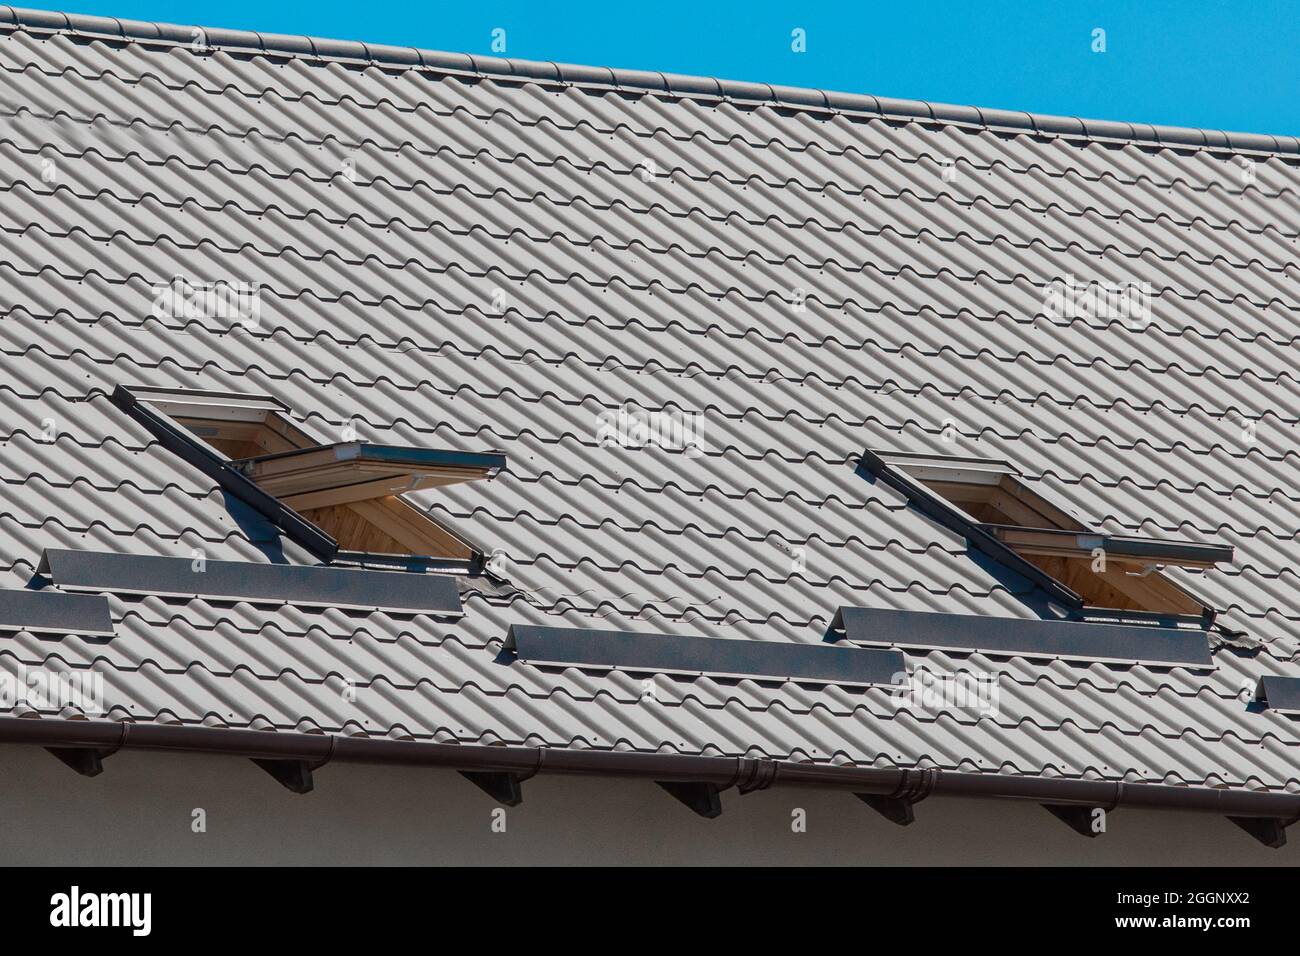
x: 968, y: 528
x: 297, y: 528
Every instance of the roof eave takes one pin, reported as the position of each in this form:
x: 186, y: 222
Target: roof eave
x: 98, y: 739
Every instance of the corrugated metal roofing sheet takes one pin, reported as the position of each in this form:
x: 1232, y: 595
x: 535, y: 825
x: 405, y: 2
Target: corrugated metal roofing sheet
x: 473, y: 261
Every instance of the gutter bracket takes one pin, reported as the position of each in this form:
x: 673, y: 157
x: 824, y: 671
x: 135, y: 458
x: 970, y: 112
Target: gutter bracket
x: 293, y: 775
x: 891, y: 808
x: 1269, y: 831
x: 1076, y: 816
x: 896, y: 807
x: 501, y: 786
x: 504, y: 786
x: 87, y: 761
x: 702, y: 798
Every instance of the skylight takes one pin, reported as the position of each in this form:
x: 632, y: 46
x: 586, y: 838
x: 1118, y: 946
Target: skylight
x: 341, y: 500
x: 987, y: 491
x: 998, y: 511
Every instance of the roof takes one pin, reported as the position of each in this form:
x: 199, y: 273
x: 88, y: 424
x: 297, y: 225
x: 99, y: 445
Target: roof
x: 649, y: 235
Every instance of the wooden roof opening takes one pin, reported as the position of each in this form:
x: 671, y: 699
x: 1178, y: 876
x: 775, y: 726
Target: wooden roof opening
x: 354, y: 491
x: 1115, y: 572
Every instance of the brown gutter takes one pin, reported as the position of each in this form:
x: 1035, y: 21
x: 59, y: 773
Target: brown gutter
x: 315, y: 750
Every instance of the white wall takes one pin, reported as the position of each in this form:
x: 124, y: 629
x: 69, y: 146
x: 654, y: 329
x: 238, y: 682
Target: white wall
x: 139, y: 812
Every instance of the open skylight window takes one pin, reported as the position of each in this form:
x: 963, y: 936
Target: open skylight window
x: 987, y: 491
x: 340, y: 500
x: 238, y: 426
x: 990, y: 504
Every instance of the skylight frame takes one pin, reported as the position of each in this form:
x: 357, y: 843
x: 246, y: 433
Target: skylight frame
x: 162, y: 410
x: 983, y: 472
x: 285, y: 473
x: 909, y: 474
x: 234, y: 407
x: 136, y: 401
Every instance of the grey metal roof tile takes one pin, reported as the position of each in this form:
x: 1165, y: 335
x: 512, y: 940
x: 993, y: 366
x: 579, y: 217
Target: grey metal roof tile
x: 924, y: 297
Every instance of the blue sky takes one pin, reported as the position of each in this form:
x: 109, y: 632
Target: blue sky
x: 1229, y: 64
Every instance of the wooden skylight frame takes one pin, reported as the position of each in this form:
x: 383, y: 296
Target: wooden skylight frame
x: 341, y: 500
x: 999, y: 513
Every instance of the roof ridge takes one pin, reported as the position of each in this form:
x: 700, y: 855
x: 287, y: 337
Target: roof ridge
x: 788, y: 97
